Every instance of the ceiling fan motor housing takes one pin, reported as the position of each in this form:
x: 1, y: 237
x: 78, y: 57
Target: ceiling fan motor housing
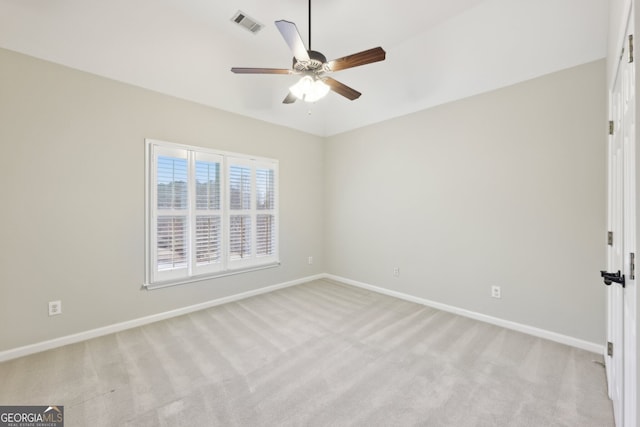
x: 317, y: 60
x: 313, y: 65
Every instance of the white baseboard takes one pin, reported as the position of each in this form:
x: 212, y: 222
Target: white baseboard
x: 530, y: 330
x: 110, y: 329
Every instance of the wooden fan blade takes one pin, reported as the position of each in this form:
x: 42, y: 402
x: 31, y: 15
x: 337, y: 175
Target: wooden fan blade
x: 361, y: 58
x: 341, y: 88
x: 291, y: 35
x: 240, y: 70
x: 289, y: 99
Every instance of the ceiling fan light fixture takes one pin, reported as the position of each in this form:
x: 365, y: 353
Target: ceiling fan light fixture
x: 309, y: 89
x: 313, y: 65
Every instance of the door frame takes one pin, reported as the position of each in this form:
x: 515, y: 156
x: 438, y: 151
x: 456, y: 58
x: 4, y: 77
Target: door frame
x: 616, y: 160
x: 629, y: 344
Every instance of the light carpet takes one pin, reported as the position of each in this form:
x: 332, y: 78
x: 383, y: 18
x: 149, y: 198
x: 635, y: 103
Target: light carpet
x: 318, y: 354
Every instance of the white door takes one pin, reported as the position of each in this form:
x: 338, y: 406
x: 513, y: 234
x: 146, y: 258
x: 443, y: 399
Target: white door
x: 615, y: 294
x: 621, y: 301
x: 626, y: 71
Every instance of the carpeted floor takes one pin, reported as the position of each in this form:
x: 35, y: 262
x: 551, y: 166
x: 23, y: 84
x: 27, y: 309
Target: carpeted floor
x: 318, y: 354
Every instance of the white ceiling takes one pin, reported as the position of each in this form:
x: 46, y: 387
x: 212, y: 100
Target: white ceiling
x: 437, y: 50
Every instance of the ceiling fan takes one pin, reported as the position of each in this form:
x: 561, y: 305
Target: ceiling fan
x: 314, y: 67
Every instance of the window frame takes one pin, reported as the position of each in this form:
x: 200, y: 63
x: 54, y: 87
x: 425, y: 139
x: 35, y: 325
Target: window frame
x: 154, y: 278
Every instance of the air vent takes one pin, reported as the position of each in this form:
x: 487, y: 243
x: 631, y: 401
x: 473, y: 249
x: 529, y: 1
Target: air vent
x: 246, y: 22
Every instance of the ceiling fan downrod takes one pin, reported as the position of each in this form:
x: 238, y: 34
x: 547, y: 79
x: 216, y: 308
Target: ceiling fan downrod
x: 309, y: 24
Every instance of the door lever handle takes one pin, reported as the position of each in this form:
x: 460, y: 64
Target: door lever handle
x: 612, y: 277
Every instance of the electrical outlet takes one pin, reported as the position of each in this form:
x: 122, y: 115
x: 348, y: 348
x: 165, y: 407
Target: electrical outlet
x: 396, y: 271
x: 310, y: 260
x: 495, y: 292
x: 55, y: 308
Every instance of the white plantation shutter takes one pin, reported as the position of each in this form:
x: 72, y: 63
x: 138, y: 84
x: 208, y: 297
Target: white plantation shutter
x: 209, y: 213
x: 240, y: 238
x: 208, y: 240
x: 240, y: 184
x: 265, y: 206
x: 265, y: 235
x: 172, y: 242
x: 240, y: 224
x: 252, y: 212
x: 170, y: 171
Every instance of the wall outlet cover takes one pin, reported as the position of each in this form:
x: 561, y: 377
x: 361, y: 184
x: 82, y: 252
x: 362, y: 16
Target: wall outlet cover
x: 55, y: 308
x: 496, y: 292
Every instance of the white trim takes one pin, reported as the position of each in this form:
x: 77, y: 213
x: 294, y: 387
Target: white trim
x: 148, y: 155
x: 129, y: 324
x: 209, y: 276
x: 530, y: 330
x: 213, y: 151
x: 118, y: 327
x: 190, y: 272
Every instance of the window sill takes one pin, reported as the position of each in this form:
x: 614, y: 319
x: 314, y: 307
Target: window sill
x: 159, y: 285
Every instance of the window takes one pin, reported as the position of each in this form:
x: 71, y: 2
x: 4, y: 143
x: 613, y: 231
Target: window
x: 208, y: 213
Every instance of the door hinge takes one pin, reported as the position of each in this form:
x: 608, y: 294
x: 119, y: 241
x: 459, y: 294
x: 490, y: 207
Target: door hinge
x: 632, y: 266
x: 609, y: 349
x: 610, y: 238
x: 610, y: 127
x: 630, y: 47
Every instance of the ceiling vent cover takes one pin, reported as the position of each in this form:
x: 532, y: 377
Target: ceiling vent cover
x: 246, y: 22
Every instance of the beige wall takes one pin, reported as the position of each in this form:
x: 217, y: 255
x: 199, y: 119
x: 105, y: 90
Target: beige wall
x: 507, y: 188
x: 72, y: 215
